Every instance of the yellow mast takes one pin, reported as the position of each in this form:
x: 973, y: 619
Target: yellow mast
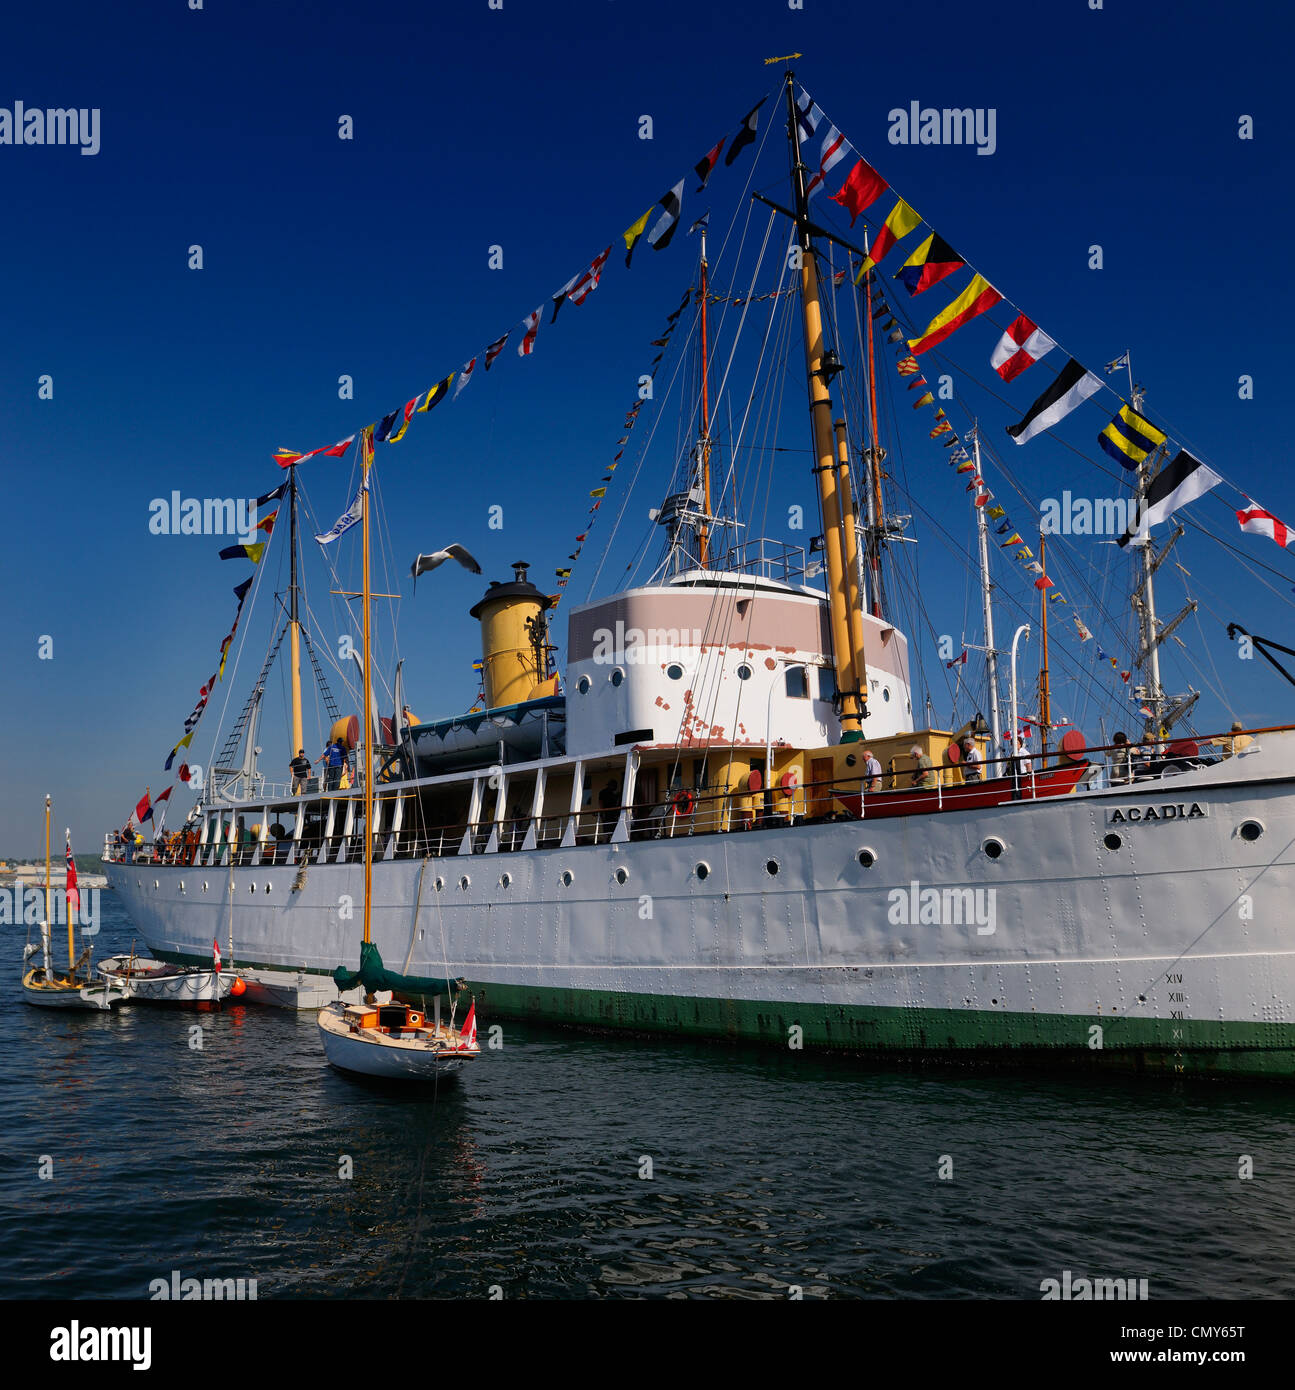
x: 851, y: 689
x: 294, y: 624
x: 366, y: 456
x: 853, y: 592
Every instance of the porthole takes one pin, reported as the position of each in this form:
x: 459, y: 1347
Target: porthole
x: 583, y: 684
x: 182, y: 885
x: 505, y: 880
x: 771, y: 867
x: 617, y: 676
x: 204, y: 885
x: 622, y: 875
x: 702, y: 871
x: 744, y: 672
x: 885, y: 693
x: 139, y: 883
x: 1112, y: 841
x: 674, y: 671
x: 267, y: 887
x: 568, y: 878
x: 157, y: 885
x: 440, y: 884
x: 251, y: 887
x: 867, y: 858
x: 464, y: 882
x: 1251, y: 829
x: 993, y: 847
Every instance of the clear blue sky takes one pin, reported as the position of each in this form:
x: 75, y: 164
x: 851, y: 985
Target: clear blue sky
x: 520, y: 127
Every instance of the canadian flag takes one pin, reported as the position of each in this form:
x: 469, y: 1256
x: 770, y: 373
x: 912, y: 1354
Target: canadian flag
x: 215, y: 955
x: 1261, y: 523
x: 1020, y: 347
x: 468, y: 1033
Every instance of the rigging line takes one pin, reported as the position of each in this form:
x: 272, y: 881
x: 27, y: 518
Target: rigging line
x: 244, y: 620
x: 657, y: 416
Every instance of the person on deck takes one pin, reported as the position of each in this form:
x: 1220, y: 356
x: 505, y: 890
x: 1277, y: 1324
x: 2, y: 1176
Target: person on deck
x: 332, y: 758
x: 1233, y: 743
x: 1121, y: 759
x: 127, y: 842
x: 871, y: 771
x: 972, y: 762
x: 924, y: 778
x: 300, y: 766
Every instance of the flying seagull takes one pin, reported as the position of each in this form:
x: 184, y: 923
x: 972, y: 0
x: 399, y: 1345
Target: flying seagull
x: 438, y: 557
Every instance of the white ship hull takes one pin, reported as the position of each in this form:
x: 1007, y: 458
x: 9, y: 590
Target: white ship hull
x: 1174, y: 950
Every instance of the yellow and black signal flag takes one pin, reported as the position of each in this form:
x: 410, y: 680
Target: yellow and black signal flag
x: 632, y: 233
x: 437, y: 393
x: 1130, y: 437
x: 901, y: 221
x: 563, y: 574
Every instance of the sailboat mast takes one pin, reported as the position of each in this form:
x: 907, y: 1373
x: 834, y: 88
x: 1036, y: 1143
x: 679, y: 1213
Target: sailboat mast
x: 987, y: 607
x: 820, y: 368
x: 1045, y: 689
x: 366, y: 455
x: 704, y: 446
x: 294, y: 625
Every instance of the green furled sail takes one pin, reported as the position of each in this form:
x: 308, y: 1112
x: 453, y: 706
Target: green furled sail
x: 373, y: 975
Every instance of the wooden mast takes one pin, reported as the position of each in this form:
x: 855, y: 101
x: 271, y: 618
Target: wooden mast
x: 704, y: 447
x: 294, y: 624
x: 366, y: 458
x: 1045, y: 692
x: 874, y: 539
x: 850, y: 689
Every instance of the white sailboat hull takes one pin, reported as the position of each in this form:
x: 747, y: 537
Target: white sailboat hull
x: 94, y: 996
x: 366, y: 1054
x: 1176, y: 946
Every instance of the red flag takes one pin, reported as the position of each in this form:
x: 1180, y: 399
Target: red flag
x: 468, y: 1033
x: 163, y: 797
x: 72, y: 892
x: 215, y: 954
x: 142, y: 809
x: 864, y: 185
x: 1261, y: 523
x: 1043, y: 582
x: 184, y: 773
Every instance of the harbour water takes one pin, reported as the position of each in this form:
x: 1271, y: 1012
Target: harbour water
x: 571, y: 1166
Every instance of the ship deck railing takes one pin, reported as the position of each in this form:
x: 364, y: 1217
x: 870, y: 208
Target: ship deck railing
x: 702, y: 811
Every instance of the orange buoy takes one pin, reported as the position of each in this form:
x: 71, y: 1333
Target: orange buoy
x: 238, y: 987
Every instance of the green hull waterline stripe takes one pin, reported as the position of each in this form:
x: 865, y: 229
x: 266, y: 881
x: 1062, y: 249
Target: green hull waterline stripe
x: 955, y: 1035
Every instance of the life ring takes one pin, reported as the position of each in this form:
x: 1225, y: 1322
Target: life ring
x: 683, y: 802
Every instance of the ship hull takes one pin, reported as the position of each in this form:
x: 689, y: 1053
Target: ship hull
x: 1171, y: 951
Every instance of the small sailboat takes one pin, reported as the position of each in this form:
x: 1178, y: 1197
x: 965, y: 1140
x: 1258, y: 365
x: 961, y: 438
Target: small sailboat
x: 392, y: 1041
x: 77, y: 988
x: 161, y: 982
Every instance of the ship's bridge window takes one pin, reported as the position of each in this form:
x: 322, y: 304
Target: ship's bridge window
x: 797, y: 683
x: 826, y: 683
